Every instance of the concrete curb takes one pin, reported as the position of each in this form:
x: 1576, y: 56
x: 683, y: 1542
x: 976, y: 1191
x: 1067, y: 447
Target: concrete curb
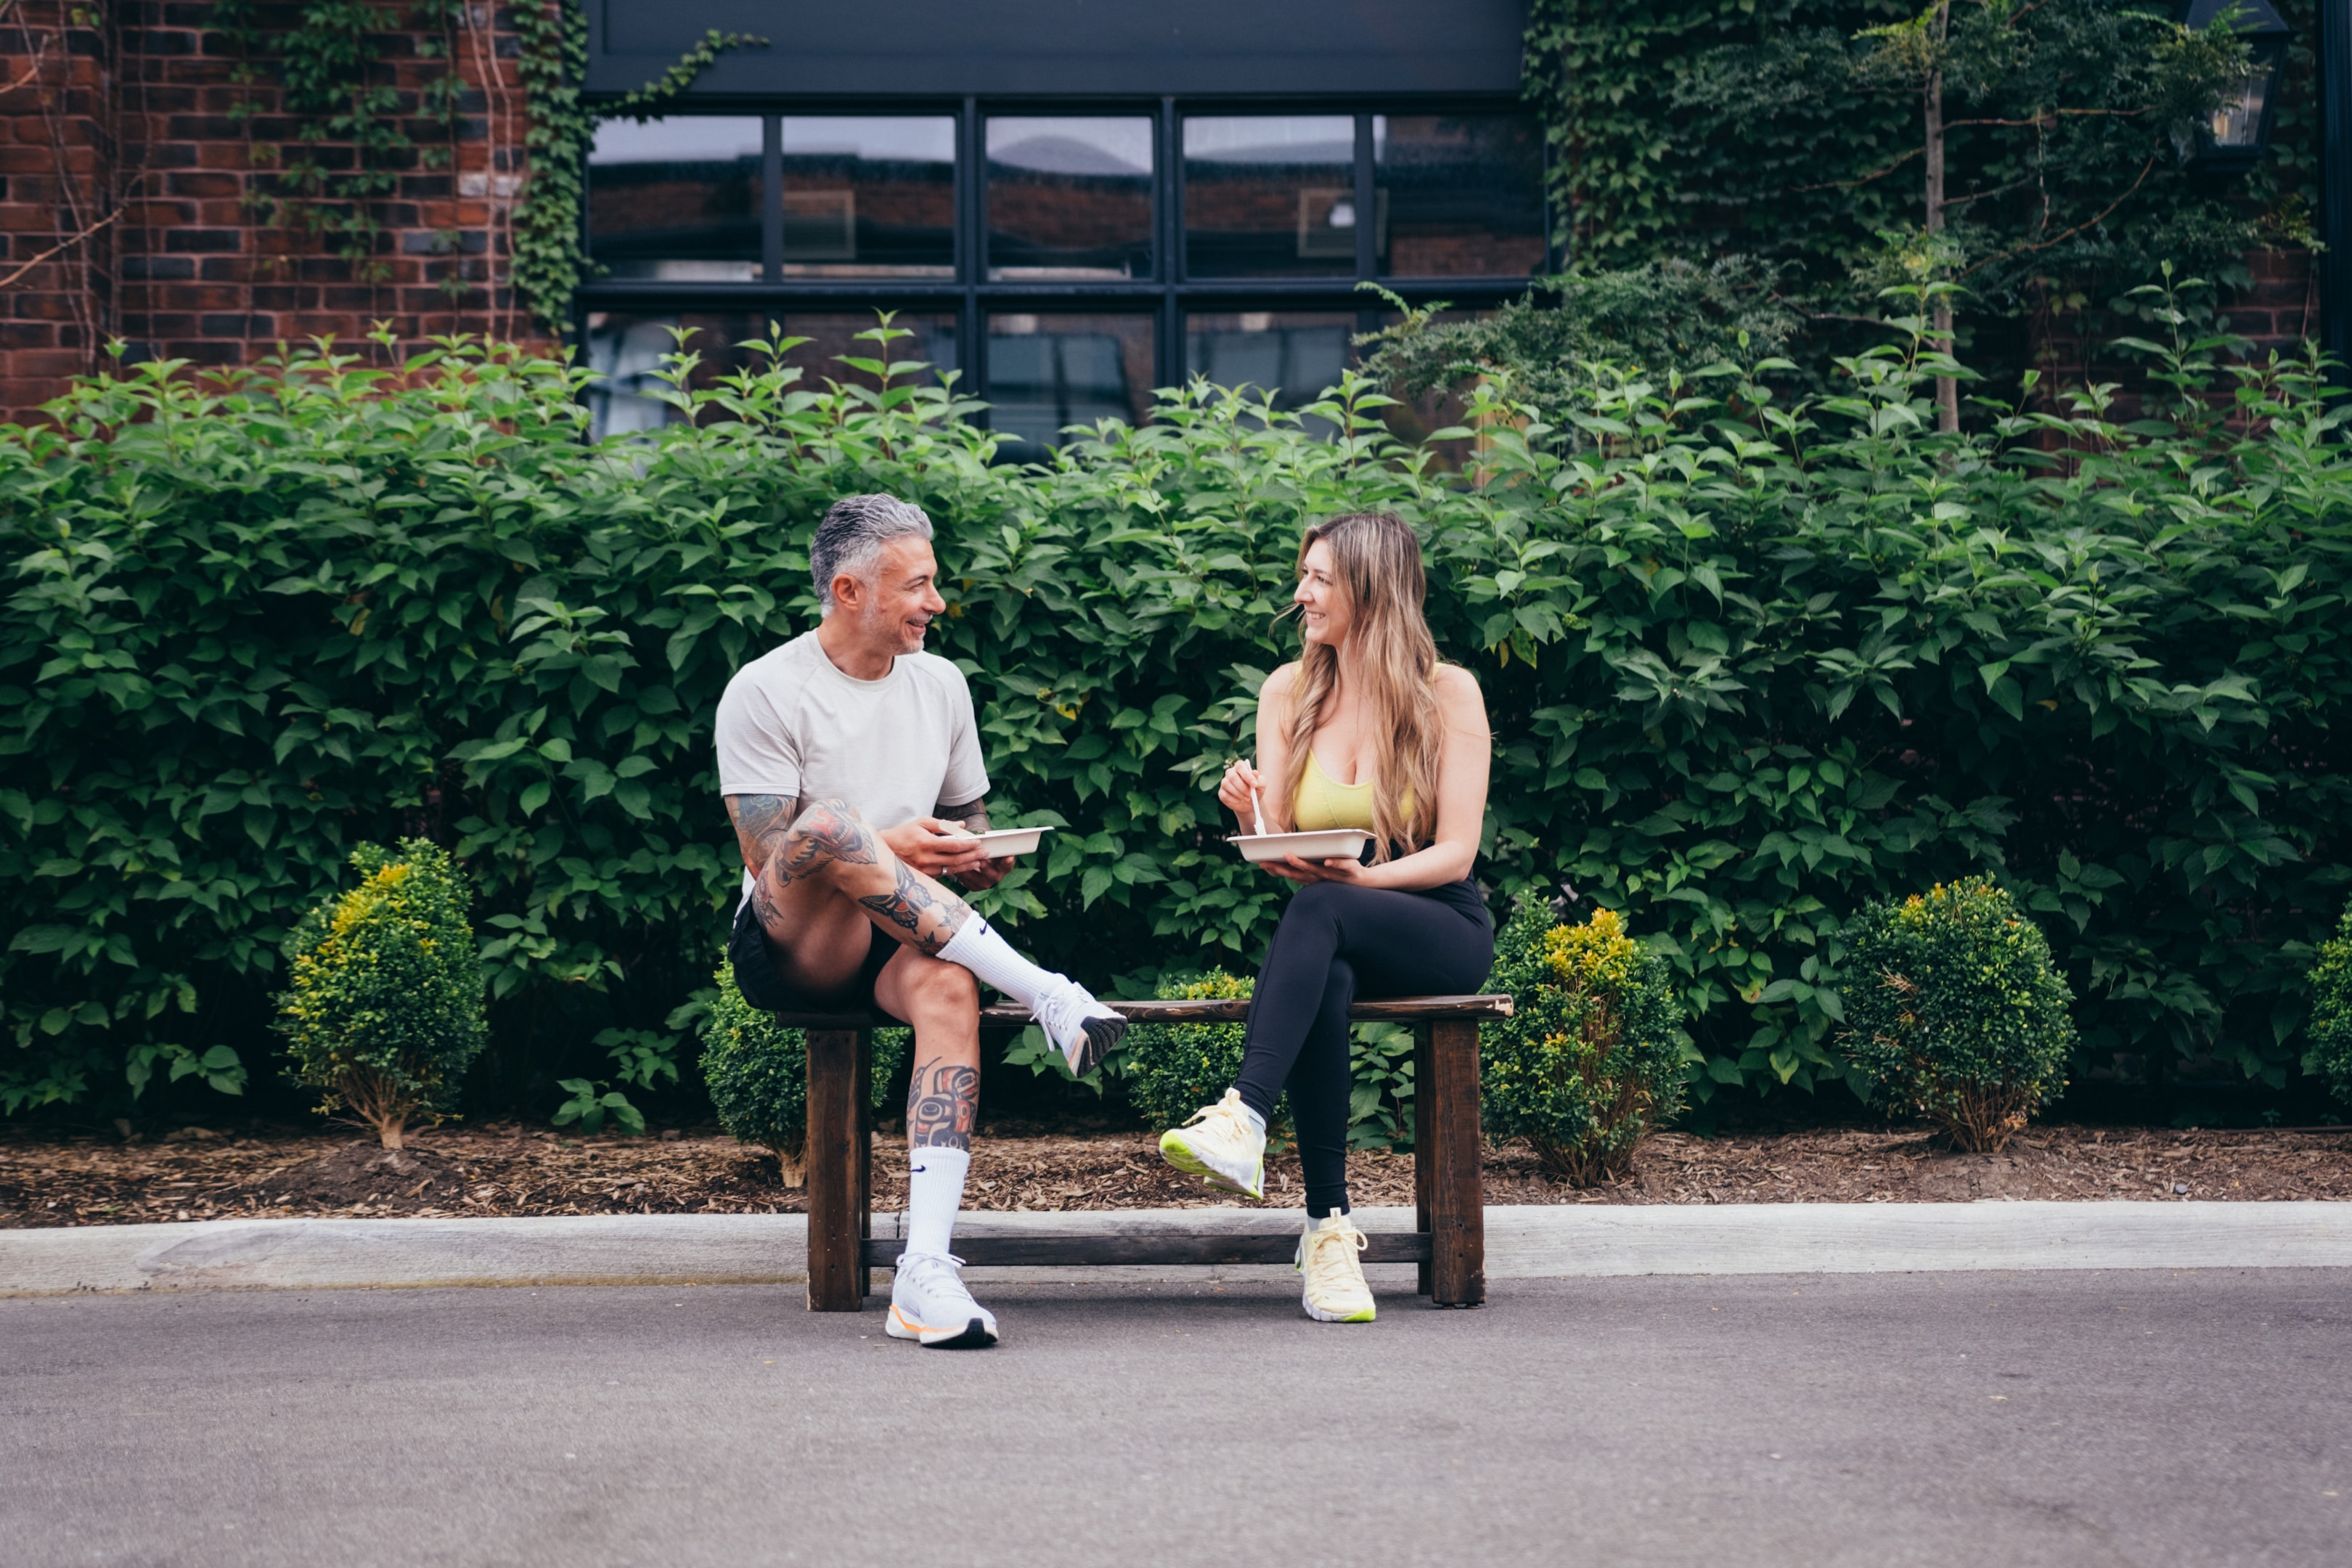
x: 1522, y: 1243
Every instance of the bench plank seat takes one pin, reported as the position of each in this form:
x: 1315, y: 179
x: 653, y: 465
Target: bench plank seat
x: 1449, y: 1245
x: 1207, y: 1010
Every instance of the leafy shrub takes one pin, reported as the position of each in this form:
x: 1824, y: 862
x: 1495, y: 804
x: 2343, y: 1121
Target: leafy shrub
x: 758, y: 1074
x: 591, y: 1102
x: 1957, y: 1012
x: 384, y: 1013
x: 1173, y: 1069
x: 2331, y: 1010
x: 1554, y: 342
x: 1591, y: 1060
x: 1752, y: 663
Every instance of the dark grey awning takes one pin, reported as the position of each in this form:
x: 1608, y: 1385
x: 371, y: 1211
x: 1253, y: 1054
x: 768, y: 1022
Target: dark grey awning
x: 1072, y: 48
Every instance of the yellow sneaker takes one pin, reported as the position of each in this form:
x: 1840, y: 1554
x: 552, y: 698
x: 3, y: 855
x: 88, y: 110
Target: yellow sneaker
x: 1224, y: 1144
x: 1336, y: 1291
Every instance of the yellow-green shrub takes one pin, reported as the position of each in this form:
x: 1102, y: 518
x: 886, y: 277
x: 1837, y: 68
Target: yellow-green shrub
x: 1591, y: 1060
x: 384, y: 1013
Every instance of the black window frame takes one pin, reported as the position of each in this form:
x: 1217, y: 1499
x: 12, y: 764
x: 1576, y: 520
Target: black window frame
x: 1168, y: 295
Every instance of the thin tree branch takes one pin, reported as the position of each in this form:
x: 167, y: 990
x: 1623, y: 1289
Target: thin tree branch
x: 2086, y: 223
x: 1849, y: 185
x: 66, y: 243
x: 2049, y: 114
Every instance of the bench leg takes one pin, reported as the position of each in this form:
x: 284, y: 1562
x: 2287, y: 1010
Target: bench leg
x: 1424, y: 1163
x: 839, y: 1155
x: 1446, y: 1175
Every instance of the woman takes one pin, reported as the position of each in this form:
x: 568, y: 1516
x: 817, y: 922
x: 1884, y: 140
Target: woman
x: 1367, y: 730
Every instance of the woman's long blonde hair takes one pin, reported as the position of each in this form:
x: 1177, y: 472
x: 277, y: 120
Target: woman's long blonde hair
x: 1376, y: 562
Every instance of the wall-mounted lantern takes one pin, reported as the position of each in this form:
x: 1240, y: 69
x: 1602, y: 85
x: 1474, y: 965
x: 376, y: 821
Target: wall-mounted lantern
x: 2232, y: 140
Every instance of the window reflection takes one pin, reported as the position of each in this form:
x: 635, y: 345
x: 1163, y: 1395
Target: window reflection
x: 832, y: 336
x: 1291, y: 354
x: 1069, y: 198
x: 626, y: 350
x: 677, y: 199
x: 1046, y: 372
x: 1464, y: 195
x: 1270, y: 196
x: 869, y: 196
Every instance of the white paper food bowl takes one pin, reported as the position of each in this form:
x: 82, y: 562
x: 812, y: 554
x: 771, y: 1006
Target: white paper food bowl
x: 1331, y: 844
x: 1003, y: 841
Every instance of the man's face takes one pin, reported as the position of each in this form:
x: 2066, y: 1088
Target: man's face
x: 895, y: 609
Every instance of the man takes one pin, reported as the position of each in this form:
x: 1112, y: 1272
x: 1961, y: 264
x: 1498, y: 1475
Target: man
x: 850, y: 761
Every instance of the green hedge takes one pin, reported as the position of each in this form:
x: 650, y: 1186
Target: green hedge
x: 1750, y: 664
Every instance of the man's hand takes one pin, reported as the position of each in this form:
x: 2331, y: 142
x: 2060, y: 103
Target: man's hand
x: 937, y: 847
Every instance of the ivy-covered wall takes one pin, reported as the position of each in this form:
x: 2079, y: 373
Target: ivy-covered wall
x: 205, y: 182
x: 1789, y: 130
x: 202, y: 182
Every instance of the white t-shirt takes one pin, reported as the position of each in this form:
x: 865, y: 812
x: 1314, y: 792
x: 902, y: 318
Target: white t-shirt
x: 792, y: 724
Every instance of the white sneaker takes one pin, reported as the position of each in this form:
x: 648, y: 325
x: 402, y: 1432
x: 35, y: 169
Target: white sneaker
x: 930, y: 1304
x: 1336, y: 1291
x: 1081, y: 1028
x: 1223, y: 1144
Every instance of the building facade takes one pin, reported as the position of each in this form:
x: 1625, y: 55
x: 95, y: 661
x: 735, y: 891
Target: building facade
x: 1066, y: 203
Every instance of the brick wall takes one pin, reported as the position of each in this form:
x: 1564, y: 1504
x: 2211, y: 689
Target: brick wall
x: 127, y: 182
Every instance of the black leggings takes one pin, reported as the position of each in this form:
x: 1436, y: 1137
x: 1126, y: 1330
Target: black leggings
x: 1437, y: 943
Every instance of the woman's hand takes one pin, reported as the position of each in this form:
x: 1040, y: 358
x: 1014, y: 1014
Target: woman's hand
x: 1292, y: 868
x: 1235, y: 792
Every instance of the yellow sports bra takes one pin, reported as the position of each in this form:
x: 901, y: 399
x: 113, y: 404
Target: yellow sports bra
x: 1322, y: 804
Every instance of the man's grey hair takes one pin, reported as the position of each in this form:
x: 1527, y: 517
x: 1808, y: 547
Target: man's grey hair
x: 852, y: 533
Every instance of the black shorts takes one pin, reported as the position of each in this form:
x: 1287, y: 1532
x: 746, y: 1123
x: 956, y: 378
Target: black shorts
x: 756, y: 976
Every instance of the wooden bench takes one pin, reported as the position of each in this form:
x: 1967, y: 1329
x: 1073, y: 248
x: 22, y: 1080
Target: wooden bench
x: 1449, y: 1245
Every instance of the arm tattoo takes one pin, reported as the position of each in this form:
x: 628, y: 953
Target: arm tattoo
x: 973, y: 816
x: 910, y: 907
x: 974, y: 819
x: 760, y: 823
x: 942, y: 1102
x: 828, y: 830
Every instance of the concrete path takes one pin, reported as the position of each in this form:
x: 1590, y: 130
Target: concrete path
x: 2076, y: 1419
x: 1563, y: 1242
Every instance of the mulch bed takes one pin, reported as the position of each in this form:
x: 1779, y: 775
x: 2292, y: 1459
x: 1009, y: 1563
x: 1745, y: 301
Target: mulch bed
x: 49, y: 1179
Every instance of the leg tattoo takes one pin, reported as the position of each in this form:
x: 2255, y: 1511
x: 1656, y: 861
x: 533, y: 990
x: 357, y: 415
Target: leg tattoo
x: 910, y: 906
x: 942, y: 1102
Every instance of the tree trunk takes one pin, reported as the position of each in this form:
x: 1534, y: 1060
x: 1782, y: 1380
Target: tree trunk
x: 1947, y: 388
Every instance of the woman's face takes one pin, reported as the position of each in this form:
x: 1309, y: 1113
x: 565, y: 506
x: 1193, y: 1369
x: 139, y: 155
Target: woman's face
x: 1324, y: 613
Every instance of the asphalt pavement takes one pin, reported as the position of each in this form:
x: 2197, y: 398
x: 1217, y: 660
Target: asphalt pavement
x: 2081, y: 1418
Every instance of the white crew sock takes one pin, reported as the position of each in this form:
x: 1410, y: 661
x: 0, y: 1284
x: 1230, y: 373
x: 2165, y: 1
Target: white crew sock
x: 978, y: 948
x: 934, y: 1192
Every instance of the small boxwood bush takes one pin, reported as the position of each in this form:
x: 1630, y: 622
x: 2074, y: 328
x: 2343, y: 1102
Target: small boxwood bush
x: 757, y: 1072
x: 1173, y: 1069
x: 1955, y: 1010
x: 1591, y: 1061
x: 2331, y: 1011
x: 384, y: 1013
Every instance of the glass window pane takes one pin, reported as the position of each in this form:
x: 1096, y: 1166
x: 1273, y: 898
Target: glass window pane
x: 832, y: 335
x: 1046, y: 372
x: 677, y: 198
x: 626, y: 349
x: 869, y: 196
x: 1462, y: 195
x: 1069, y: 198
x: 1292, y: 354
x: 1270, y: 197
